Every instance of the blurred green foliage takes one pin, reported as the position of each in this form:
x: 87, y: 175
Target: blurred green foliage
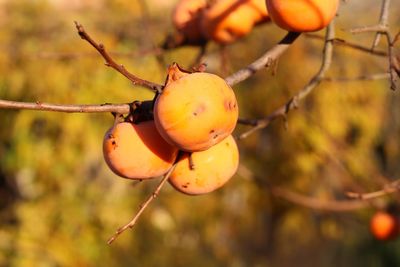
x: 59, y: 203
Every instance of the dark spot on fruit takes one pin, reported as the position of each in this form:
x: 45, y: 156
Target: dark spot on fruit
x: 227, y: 144
x: 186, y: 185
x: 229, y: 105
x: 113, y: 143
x: 200, y: 108
x: 215, y: 136
x: 212, y: 131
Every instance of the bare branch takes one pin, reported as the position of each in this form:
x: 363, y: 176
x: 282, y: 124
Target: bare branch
x: 117, y: 108
x: 292, y: 103
x: 111, y: 63
x: 344, y: 43
x: 143, y: 206
x: 264, y: 61
x: 383, y: 21
x: 386, y: 190
x: 318, y: 204
x: 382, y: 28
x: 377, y: 76
x: 72, y: 55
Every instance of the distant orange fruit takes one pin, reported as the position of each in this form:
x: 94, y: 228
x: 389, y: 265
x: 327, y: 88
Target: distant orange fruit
x: 195, y: 111
x: 384, y: 225
x: 186, y: 18
x: 261, y: 8
x: 213, y: 168
x: 137, y: 151
x: 302, y: 15
x: 225, y: 21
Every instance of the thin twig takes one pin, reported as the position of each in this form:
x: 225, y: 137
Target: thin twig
x: 316, y: 203
x: 306, y: 90
x: 117, y: 108
x: 111, y: 63
x: 372, y: 77
x: 142, y: 207
x: 383, y: 21
x: 386, y: 190
x: 344, y: 43
x: 72, y: 55
x: 264, y: 61
x: 382, y: 28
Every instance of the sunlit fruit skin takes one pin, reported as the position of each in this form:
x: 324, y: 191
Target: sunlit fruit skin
x: 261, y: 8
x: 384, y: 226
x: 137, y: 151
x: 212, y: 168
x: 186, y: 19
x: 196, y: 111
x: 302, y: 15
x: 225, y: 21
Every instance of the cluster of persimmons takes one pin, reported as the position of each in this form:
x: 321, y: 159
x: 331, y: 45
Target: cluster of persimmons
x: 225, y: 21
x: 190, y: 125
x: 190, y: 122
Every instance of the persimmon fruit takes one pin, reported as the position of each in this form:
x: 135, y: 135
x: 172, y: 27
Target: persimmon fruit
x: 384, y: 226
x: 186, y: 19
x: 213, y: 168
x: 195, y: 111
x: 225, y: 21
x: 137, y: 151
x: 302, y: 15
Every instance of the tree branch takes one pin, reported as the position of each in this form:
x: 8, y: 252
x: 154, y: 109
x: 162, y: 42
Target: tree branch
x: 371, y: 77
x: 386, y: 190
x: 306, y: 90
x: 111, y: 63
x: 344, y: 43
x: 264, y: 61
x: 117, y: 108
x: 382, y: 28
x: 143, y: 206
x: 318, y: 204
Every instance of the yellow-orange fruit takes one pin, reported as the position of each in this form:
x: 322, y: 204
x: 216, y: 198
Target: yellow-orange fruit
x: 212, y: 168
x: 186, y: 18
x: 302, y: 15
x: 225, y: 21
x: 261, y: 8
x: 137, y: 151
x: 384, y: 226
x: 196, y: 111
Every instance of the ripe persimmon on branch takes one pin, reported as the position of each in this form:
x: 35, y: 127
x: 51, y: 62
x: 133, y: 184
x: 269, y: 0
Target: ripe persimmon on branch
x: 189, y: 154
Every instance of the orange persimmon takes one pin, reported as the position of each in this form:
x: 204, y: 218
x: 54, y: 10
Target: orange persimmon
x: 137, y: 151
x: 302, y: 15
x: 225, y: 21
x: 212, y: 168
x: 195, y: 111
x: 384, y: 225
x: 186, y: 18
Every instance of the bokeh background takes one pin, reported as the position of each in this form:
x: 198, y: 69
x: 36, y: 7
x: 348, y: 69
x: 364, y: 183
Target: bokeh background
x: 59, y: 203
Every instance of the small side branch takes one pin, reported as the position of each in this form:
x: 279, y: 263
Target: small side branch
x: 142, y: 207
x: 318, y: 204
x: 382, y: 28
x: 344, y: 43
x: 111, y: 63
x: 264, y: 61
x: 386, y: 190
x: 306, y: 90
